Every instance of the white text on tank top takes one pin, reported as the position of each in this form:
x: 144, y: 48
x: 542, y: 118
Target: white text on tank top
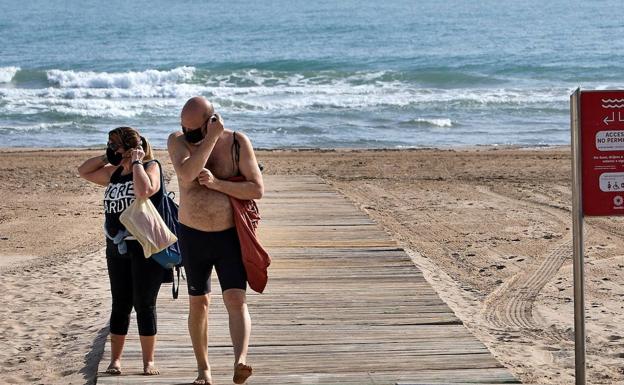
x: 118, y: 197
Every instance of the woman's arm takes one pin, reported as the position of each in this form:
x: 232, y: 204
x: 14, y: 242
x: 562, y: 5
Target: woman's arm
x: 146, y: 180
x: 97, y: 170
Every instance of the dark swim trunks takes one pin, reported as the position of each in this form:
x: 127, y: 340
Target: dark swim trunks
x: 201, y: 250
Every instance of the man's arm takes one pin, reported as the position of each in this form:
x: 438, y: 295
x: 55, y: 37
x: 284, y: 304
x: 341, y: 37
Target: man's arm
x: 252, y: 188
x: 187, y: 165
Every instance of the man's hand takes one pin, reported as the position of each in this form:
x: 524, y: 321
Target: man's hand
x: 214, y: 127
x: 206, y: 179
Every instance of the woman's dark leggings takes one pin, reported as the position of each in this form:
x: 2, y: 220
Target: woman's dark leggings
x: 135, y: 282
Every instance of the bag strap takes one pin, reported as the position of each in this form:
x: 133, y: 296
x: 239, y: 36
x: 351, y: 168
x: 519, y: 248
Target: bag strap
x: 236, y: 153
x: 171, y: 194
x: 175, y: 290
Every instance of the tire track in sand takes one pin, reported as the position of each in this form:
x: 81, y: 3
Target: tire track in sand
x: 510, y: 306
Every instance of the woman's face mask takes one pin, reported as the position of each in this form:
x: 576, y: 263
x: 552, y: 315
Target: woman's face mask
x: 112, y: 155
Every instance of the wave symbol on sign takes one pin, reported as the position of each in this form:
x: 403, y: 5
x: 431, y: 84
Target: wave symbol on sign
x: 612, y: 103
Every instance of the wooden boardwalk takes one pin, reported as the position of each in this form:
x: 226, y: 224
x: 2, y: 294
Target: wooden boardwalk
x: 344, y: 305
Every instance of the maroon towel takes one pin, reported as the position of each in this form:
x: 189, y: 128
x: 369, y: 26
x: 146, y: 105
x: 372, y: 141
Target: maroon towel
x: 255, y: 257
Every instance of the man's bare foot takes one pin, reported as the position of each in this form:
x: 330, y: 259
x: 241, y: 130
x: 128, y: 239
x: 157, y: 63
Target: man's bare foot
x: 150, y: 370
x: 203, y: 378
x: 114, y: 368
x: 241, y: 373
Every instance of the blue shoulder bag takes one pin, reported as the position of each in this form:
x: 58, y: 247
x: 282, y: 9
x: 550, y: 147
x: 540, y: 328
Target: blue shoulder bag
x: 170, y: 257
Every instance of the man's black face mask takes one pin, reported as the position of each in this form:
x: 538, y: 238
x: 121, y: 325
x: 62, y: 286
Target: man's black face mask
x: 195, y: 135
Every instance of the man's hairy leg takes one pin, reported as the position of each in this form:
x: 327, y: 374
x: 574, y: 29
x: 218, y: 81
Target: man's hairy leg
x: 240, y: 329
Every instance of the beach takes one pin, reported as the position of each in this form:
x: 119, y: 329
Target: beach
x: 489, y: 227
x: 446, y: 123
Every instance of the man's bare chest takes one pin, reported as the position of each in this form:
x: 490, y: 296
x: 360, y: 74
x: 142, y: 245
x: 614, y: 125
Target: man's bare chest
x: 221, y: 162
x: 221, y: 166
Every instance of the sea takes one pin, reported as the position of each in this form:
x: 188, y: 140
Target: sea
x: 306, y: 74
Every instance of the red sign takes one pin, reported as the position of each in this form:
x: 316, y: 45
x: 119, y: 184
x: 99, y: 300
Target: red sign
x: 602, y: 149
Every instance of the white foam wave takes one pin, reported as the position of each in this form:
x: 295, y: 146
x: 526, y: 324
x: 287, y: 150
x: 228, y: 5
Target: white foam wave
x: 124, y: 80
x: 269, y: 78
x: 444, y: 123
x: 140, y: 92
x: 363, y: 96
x: 284, y: 99
x: 43, y: 127
x: 32, y: 102
x: 7, y: 73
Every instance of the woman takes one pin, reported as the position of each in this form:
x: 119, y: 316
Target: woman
x: 134, y: 279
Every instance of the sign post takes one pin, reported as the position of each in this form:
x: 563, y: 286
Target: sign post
x: 577, y: 246
x: 597, y: 125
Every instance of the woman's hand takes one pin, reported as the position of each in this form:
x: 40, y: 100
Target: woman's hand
x: 136, y: 154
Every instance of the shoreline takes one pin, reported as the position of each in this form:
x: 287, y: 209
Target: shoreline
x: 485, y: 226
x: 321, y: 149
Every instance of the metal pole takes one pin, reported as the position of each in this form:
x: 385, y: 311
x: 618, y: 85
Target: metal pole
x: 577, y: 231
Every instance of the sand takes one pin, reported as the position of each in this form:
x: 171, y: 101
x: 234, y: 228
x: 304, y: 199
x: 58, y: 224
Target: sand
x: 490, y: 227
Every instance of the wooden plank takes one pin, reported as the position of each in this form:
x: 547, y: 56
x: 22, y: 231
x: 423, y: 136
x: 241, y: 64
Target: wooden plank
x: 344, y: 305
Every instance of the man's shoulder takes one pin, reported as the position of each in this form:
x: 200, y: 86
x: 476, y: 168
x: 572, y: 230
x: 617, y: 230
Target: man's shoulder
x: 241, y: 137
x: 176, y: 134
x: 177, y: 146
x: 175, y: 138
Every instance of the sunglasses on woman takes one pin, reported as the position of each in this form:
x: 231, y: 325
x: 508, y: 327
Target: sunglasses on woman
x: 114, y: 146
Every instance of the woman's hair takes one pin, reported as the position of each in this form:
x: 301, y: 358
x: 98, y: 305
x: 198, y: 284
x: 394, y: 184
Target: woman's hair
x: 130, y: 138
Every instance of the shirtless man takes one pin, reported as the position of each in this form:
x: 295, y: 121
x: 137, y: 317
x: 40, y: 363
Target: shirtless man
x: 204, y: 156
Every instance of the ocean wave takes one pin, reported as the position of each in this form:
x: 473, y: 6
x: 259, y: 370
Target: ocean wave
x: 286, y: 65
x: 168, y: 99
x: 7, y: 74
x: 49, y: 127
x: 37, y: 102
x: 265, y: 90
x: 267, y: 78
x: 242, y: 78
x: 443, y: 78
x: 140, y: 92
x: 123, y: 80
x: 388, y: 95
x: 431, y: 122
x: 142, y: 95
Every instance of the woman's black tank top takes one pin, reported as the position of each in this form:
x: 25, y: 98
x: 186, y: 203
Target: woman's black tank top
x: 118, y: 196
